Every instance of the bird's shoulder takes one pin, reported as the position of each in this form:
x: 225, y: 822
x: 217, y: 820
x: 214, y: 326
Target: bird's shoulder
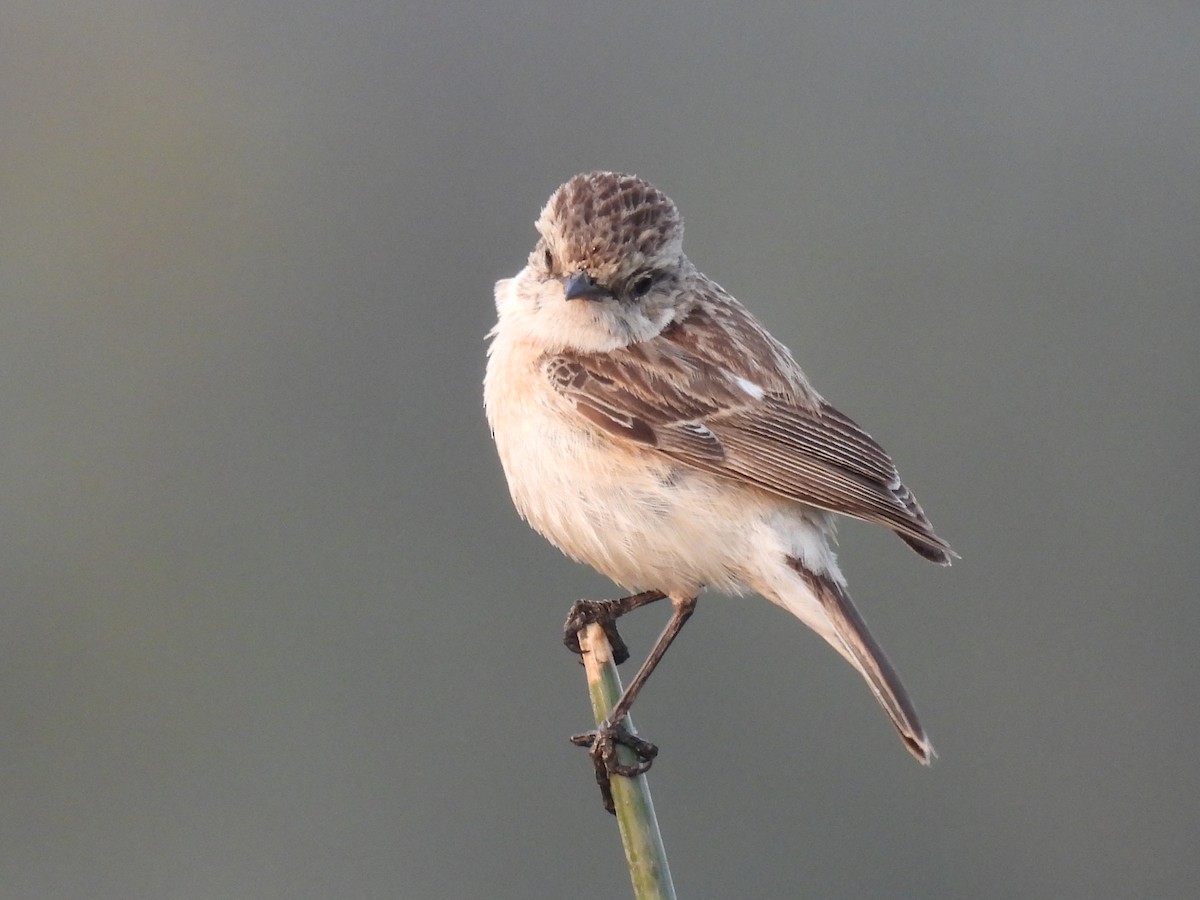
x: 713, y: 355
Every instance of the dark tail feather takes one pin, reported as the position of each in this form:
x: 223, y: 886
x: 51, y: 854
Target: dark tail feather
x: 868, y: 657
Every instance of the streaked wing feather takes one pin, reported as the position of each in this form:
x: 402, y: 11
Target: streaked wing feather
x: 823, y: 475
x: 664, y: 394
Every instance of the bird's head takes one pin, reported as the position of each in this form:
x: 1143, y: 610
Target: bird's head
x: 608, y: 265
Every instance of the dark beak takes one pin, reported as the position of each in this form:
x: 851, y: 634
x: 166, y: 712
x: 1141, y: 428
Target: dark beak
x: 580, y: 287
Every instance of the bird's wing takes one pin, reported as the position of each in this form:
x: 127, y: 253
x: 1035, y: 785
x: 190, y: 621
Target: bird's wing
x: 758, y: 426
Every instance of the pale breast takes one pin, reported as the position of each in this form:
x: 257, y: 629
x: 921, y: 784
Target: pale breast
x: 629, y: 512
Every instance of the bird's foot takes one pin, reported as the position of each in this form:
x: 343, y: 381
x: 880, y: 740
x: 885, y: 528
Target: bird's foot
x: 599, y: 612
x: 602, y: 746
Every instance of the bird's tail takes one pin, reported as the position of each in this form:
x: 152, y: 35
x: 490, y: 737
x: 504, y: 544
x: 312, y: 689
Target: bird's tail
x: 842, y: 626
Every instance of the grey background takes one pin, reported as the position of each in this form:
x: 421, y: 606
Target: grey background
x: 269, y: 627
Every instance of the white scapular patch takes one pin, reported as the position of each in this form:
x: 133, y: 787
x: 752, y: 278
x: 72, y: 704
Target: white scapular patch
x: 749, y: 387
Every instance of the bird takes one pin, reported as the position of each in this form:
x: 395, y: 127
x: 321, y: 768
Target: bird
x: 649, y: 426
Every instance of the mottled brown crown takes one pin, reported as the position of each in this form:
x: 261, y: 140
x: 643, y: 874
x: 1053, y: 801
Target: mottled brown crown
x: 610, y: 225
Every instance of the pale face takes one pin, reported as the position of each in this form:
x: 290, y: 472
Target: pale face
x: 533, y: 305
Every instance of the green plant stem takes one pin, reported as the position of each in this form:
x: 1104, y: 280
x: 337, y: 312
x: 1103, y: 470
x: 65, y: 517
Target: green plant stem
x: 635, y: 811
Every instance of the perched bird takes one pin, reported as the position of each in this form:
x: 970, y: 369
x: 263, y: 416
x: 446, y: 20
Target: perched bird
x: 650, y: 427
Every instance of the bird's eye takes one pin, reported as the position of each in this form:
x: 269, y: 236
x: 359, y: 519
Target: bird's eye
x: 548, y: 259
x: 641, y: 286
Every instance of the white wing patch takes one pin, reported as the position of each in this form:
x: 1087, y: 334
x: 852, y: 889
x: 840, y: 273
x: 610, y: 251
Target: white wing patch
x: 748, y: 386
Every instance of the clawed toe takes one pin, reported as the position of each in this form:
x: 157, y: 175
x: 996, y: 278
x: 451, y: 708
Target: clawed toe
x: 599, y: 612
x: 602, y: 746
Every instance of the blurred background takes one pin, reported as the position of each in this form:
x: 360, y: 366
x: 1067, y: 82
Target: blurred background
x: 270, y: 627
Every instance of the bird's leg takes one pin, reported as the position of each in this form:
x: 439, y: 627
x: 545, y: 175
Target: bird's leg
x: 605, y: 614
x: 602, y: 742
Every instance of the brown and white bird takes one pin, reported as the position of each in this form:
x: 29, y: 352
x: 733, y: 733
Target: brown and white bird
x: 650, y: 427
